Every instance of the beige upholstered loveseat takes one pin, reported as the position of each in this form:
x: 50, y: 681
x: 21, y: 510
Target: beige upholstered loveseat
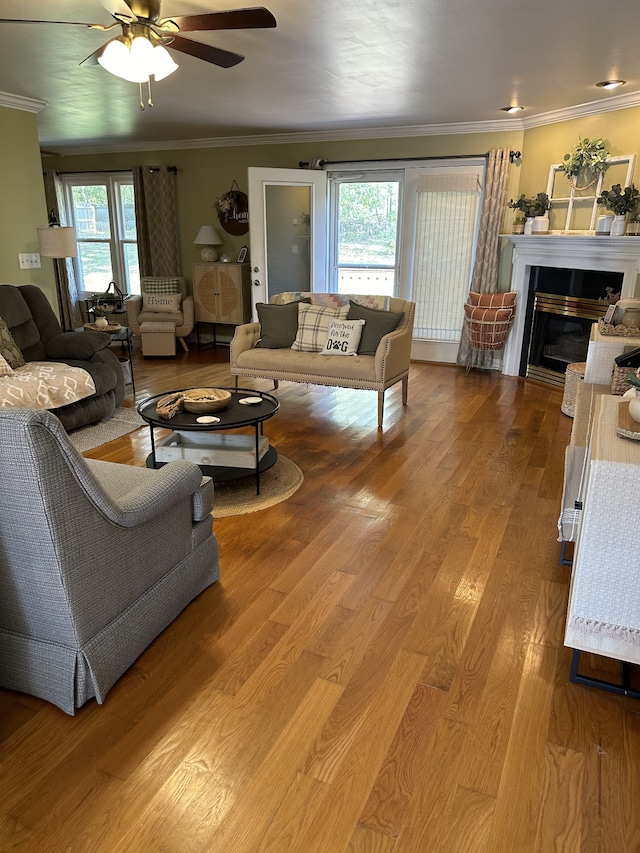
x: 376, y: 372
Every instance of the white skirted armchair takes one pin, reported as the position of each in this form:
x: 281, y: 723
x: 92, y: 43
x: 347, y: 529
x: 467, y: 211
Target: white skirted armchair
x: 96, y: 559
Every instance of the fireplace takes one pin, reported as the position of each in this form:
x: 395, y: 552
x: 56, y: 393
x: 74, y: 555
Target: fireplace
x: 562, y: 306
x: 577, y: 254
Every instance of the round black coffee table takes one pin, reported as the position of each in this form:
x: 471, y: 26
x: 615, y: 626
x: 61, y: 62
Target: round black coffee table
x: 220, y: 456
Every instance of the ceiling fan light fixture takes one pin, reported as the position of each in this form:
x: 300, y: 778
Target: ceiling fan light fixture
x: 163, y: 63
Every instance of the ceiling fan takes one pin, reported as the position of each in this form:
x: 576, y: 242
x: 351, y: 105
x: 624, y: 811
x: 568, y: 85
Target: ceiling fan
x: 140, y: 52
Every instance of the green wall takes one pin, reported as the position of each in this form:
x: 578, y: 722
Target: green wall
x: 204, y: 174
x: 22, y: 201
x: 546, y: 145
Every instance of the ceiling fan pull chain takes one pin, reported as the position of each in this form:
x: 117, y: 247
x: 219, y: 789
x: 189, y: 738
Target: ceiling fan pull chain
x: 141, y: 101
x: 150, y: 99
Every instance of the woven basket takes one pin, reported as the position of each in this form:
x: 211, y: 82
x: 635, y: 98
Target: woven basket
x: 488, y: 334
x: 572, y: 380
x: 200, y: 401
x: 619, y: 381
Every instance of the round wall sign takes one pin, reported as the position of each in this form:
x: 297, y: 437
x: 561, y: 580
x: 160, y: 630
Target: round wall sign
x: 233, y: 212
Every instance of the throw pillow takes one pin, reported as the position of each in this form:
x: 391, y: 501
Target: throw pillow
x: 377, y: 323
x: 9, y: 348
x: 7, y: 370
x: 161, y: 285
x: 278, y: 324
x: 313, y: 326
x: 488, y: 315
x: 493, y: 300
x: 161, y: 302
x: 343, y: 337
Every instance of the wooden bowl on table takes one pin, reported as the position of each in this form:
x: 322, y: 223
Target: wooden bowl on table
x: 199, y: 401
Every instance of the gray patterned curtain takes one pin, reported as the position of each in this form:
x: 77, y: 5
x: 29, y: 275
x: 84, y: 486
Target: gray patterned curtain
x: 485, y: 270
x: 70, y: 317
x: 156, y: 220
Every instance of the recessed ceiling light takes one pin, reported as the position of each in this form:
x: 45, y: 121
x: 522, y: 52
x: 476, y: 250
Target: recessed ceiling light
x: 511, y: 109
x: 611, y: 84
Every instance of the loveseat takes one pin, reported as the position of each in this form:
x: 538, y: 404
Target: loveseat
x: 34, y: 327
x: 264, y: 349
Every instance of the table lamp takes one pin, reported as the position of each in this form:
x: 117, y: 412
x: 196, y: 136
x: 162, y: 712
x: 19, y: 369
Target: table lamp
x: 208, y: 237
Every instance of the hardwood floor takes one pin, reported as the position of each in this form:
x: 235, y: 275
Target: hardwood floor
x: 380, y: 667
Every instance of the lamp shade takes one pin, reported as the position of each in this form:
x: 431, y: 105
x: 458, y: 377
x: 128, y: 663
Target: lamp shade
x: 57, y: 241
x: 207, y: 236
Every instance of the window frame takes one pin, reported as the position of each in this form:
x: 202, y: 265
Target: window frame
x: 339, y: 176
x: 113, y: 181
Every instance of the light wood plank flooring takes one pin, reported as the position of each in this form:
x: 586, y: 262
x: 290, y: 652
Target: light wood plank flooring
x: 380, y: 668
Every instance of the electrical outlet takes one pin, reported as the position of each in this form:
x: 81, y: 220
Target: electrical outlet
x: 29, y: 261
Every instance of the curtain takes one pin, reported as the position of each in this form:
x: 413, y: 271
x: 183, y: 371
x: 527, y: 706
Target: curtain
x: 70, y: 317
x: 156, y: 220
x: 485, y: 270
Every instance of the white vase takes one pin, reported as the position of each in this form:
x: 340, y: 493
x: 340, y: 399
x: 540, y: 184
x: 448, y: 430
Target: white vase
x: 541, y: 224
x: 634, y: 408
x: 619, y: 225
x: 101, y: 323
x: 528, y: 225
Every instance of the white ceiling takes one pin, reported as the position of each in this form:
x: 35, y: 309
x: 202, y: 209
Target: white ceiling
x: 340, y: 66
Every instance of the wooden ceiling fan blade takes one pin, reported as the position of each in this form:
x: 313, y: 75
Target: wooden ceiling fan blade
x: 223, y: 58
x: 119, y: 9
x: 236, y: 19
x: 92, y: 59
x: 65, y: 23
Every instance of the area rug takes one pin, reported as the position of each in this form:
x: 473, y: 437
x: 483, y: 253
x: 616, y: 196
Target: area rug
x: 120, y: 423
x: 238, y: 497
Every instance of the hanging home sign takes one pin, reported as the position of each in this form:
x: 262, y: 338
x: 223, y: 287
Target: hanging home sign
x: 233, y: 211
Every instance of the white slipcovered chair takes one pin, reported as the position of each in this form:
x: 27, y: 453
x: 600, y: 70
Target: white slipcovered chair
x: 182, y: 316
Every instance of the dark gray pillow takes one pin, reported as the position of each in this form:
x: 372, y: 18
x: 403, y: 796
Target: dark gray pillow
x: 278, y: 324
x: 376, y: 324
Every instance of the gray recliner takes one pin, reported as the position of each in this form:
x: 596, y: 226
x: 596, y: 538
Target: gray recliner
x: 96, y: 559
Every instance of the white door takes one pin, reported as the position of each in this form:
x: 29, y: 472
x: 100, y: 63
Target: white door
x: 288, y: 236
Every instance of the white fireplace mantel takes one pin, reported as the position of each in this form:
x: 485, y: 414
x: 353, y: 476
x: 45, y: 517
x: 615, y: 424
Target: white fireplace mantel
x: 567, y: 251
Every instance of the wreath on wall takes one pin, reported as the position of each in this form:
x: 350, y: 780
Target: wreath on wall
x: 589, y: 156
x: 233, y: 211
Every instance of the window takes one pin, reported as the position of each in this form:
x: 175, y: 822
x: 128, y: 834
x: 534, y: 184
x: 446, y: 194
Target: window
x: 446, y: 225
x: 102, y: 210
x: 409, y: 229
x: 365, y: 251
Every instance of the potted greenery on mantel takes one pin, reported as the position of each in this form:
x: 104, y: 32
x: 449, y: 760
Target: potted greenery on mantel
x: 533, y: 209
x: 620, y: 202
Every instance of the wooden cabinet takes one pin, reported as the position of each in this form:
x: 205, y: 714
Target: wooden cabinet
x: 222, y: 293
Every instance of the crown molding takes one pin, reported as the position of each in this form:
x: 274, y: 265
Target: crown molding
x: 17, y: 102
x: 604, y: 105
x: 591, y: 108
x: 306, y: 137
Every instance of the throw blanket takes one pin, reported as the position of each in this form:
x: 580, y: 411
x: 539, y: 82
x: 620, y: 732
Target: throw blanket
x: 45, y: 385
x: 335, y: 300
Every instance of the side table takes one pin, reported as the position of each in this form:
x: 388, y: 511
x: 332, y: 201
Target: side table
x: 123, y: 335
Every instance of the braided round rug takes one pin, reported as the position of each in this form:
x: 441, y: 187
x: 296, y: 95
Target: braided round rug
x: 238, y: 497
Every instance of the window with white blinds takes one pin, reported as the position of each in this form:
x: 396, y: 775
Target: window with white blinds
x: 446, y: 226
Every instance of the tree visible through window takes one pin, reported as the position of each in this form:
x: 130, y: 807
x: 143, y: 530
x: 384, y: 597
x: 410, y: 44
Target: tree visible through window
x: 367, y: 236
x: 102, y: 210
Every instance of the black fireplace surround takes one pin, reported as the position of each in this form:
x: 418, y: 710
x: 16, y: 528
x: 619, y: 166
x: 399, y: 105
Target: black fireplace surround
x: 562, y: 306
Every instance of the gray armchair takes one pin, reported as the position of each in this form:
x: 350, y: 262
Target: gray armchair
x: 96, y: 559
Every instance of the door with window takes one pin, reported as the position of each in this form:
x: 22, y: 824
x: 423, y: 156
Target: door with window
x: 101, y: 208
x: 287, y: 216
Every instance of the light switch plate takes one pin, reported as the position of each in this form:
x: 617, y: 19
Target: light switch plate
x: 29, y: 261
